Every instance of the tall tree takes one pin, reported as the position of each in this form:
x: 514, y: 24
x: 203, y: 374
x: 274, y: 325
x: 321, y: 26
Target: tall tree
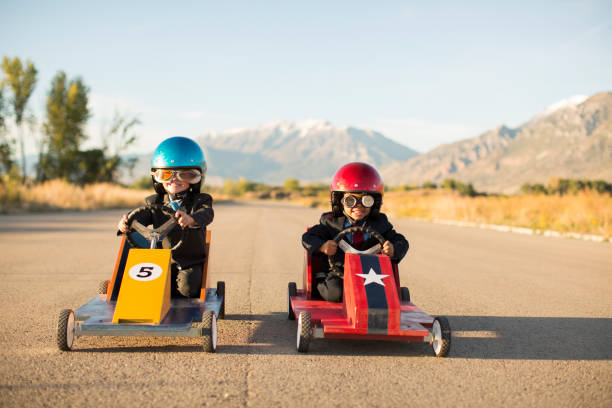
x: 64, y: 127
x: 102, y: 165
x: 119, y: 137
x: 2, y: 108
x: 22, y: 82
x: 6, y: 161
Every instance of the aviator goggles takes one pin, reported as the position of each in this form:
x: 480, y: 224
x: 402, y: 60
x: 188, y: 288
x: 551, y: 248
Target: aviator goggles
x: 190, y: 176
x: 351, y: 201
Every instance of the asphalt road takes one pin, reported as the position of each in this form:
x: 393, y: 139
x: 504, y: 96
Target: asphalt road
x: 531, y: 319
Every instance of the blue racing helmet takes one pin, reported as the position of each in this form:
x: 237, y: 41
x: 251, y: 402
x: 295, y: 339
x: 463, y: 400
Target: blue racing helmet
x: 179, y: 152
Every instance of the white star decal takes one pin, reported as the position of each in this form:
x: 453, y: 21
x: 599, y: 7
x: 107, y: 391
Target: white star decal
x: 372, y: 277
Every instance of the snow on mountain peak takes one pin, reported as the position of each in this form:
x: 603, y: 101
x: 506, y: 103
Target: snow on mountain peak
x: 297, y: 128
x: 563, y: 103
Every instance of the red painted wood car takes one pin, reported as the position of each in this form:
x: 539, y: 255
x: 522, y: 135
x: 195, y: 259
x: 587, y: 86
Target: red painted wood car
x: 374, y: 306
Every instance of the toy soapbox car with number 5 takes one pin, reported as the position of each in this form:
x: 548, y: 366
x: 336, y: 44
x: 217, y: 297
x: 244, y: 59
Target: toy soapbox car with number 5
x: 374, y: 306
x: 137, y: 300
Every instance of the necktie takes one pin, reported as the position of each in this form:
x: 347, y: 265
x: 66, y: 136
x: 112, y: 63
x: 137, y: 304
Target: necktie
x: 357, y: 239
x: 175, y: 204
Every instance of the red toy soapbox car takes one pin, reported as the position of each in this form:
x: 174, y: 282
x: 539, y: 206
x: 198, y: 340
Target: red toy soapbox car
x: 137, y: 300
x: 374, y: 306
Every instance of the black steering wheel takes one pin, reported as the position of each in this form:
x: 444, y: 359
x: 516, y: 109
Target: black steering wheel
x: 336, y: 267
x: 154, y: 235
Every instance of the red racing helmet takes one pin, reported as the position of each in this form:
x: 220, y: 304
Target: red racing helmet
x: 356, y: 177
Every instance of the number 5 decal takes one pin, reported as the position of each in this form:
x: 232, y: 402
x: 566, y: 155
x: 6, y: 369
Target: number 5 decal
x: 145, y: 271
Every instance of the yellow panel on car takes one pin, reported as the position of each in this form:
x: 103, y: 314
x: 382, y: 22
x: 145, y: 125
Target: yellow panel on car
x: 144, y: 296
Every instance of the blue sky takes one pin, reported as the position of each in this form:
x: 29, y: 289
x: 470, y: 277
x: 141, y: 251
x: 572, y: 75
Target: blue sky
x: 422, y: 73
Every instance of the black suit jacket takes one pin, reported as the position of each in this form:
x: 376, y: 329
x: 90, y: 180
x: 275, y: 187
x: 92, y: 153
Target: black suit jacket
x: 198, y: 206
x: 329, y: 226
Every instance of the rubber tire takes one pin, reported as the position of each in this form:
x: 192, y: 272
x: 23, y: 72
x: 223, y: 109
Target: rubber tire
x: 65, y: 340
x: 221, y: 292
x: 292, y: 291
x: 405, y: 294
x: 442, y: 348
x: 304, y: 332
x: 208, y: 330
x: 103, y: 287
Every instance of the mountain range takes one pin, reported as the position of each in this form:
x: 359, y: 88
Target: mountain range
x: 309, y: 151
x: 570, y: 139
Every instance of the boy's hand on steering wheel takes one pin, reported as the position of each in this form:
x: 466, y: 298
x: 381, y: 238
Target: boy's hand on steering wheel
x: 329, y: 248
x: 388, y: 249
x: 185, y: 220
x: 122, y: 224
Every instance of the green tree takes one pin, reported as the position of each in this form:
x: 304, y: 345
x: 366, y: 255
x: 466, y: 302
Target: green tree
x: 6, y: 161
x: 429, y: 184
x: 292, y: 184
x: 2, y: 108
x: 601, y: 186
x: 558, y: 186
x: 466, y: 189
x: 143, y: 183
x: 119, y: 137
x: 67, y: 114
x: 449, y: 184
x: 22, y: 82
x: 238, y: 188
x: 89, y: 166
x: 536, y: 188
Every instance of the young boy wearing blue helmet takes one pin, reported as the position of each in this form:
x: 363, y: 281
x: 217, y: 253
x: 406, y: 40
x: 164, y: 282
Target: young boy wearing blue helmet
x: 178, y: 168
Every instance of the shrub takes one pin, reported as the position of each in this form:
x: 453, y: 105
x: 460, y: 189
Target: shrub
x: 292, y: 184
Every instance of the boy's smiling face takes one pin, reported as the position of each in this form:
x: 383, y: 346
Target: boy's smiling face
x: 175, y: 185
x: 358, y: 212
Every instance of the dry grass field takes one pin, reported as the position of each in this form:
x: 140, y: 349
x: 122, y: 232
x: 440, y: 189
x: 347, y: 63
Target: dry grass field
x: 60, y: 195
x: 582, y: 213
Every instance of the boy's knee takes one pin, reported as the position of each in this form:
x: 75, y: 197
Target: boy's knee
x: 331, y: 289
x: 189, y: 282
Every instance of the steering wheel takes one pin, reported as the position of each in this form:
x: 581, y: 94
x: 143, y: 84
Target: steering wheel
x: 335, y: 268
x: 153, y: 235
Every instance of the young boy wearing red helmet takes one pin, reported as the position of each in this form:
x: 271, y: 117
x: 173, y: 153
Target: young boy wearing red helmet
x: 356, y: 196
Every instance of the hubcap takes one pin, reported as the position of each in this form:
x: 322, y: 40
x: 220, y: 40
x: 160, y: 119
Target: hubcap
x: 437, y: 335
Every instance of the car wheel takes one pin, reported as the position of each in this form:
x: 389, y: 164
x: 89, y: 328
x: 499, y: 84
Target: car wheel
x: 103, y: 287
x: 65, y: 330
x: 221, y: 292
x: 405, y: 294
x: 304, y: 332
x: 441, y: 336
x: 291, y: 292
x: 208, y: 329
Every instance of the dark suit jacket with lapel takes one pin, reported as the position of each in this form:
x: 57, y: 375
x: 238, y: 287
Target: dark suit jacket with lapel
x: 329, y: 226
x: 193, y: 250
